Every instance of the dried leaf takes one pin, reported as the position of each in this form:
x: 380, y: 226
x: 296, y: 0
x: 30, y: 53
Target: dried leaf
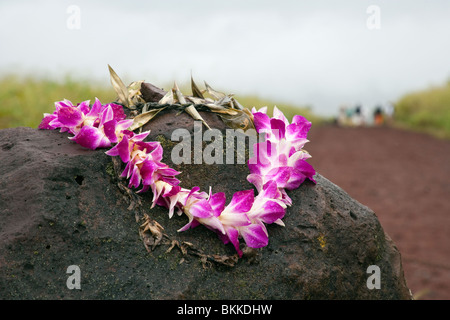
x: 151, y: 232
x: 237, y: 105
x: 195, y: 115
x: 119, y: 87
x: 168, y: 98
x: 220, y: 109
x: 178, y: 96
x: 189, y: 109
x: 225, y: 101
x: 243, y: 120
x: 229, y: 261
x: 195, y: 90
x: 215, y: 94
x: 134, y: 93
x: 143, y: 118
x: 196, y: 100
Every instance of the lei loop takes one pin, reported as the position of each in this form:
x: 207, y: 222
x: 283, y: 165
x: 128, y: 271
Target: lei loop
x: 279, y: 164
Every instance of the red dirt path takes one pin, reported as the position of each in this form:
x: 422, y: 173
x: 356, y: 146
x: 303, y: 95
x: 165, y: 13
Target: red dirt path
x: 405, y: 178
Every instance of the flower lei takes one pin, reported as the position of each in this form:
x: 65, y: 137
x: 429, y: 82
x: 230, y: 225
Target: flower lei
x: 279, y: 164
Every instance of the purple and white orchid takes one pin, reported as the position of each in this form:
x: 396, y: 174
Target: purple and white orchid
x: 93, y: 128
x: 279, y: 163
x: 280, y: 157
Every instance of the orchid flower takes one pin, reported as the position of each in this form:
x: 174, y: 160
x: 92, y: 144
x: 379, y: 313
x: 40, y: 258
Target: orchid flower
x: 93, y: 128
x: 280, y: 157
x: 202, y: 209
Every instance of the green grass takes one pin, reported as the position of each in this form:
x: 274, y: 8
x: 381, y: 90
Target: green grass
x: 24, y: 100
x: 426, y: 111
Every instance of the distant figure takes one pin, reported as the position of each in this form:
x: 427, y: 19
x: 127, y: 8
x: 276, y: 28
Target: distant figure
x: 389, y: 111
x: 358, y: 119
x: 342, y: 117
x: 378, y: 118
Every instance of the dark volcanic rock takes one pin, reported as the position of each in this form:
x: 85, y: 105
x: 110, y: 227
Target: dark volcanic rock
x: 151, y: 93
x: 60, y: 205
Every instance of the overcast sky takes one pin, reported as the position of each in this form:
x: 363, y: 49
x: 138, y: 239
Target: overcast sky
x: 320, y: 53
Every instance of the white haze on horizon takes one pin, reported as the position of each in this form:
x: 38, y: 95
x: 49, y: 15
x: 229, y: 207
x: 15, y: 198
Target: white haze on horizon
x: 317, y: 53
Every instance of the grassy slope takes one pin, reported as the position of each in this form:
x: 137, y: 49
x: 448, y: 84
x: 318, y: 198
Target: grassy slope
x: 24, y: 100
x: 426, y: 111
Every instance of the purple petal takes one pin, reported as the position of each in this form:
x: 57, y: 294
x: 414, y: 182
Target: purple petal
x: 110, y: 130
x: 70, y: 116
x: 191, y: 224
x: 307, y: 169
x: 256, y: 180
x: 121, y: 149
x: 280, y: 175
x: 213, y: 223
x: 63, y: 104
x: 233, y: 237
x: 171, y: 180
x: 296, y: 131
x: 234, y: 219
x: 88, y: 137
x: 96, y: 109
x: 192, y: 193
x: 254, y: 236
x: 285, y: 198
x: 167, y: 171
x: 261, y: 160
x: 201, y: 209
x: 128, y: 169
x: 123, y: 124
x: 173, y: 191
x: 84, y: 107
x: 302, y: 171
x: 147, y: 169
x: 297, y: 119
x: 261, y: 121
x: 277, y: 114
x: 242, y: 201
x: 278, y: 128
x: 140, y: 136
x: 272, y: 211
x: 217, y: 202
x: 152, y: 147
x: 106, y: 115
x: 45, y: 123
x: 135, y: 179
x: 117, y: 109
x: 270, y: 190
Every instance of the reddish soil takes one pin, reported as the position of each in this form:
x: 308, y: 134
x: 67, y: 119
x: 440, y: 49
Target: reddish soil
x: 405, y: 178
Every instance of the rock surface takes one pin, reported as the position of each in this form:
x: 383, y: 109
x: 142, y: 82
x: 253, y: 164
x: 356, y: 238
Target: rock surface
x: 63, y: 205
